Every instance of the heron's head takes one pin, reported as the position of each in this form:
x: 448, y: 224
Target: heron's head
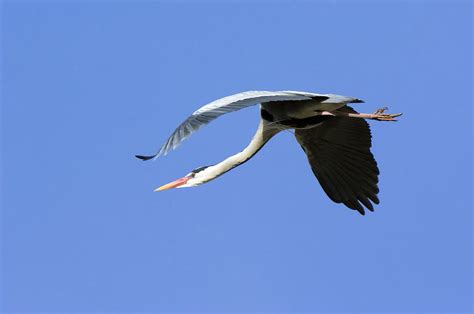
x: 194, y: 178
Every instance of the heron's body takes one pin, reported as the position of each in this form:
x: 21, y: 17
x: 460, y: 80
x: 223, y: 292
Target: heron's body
x: 287, y: 110
x: 335, y: 138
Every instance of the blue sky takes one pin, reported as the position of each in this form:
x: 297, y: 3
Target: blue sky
x: 87, y: 85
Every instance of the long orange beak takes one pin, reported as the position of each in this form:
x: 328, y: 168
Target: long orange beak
x: 173, y: 184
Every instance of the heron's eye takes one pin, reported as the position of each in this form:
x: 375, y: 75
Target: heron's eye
x: 198, y: 170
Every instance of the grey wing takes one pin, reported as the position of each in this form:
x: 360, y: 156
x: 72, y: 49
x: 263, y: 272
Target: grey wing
x: 329, y: 98
x: 339, y: 154
x: 215, y: 109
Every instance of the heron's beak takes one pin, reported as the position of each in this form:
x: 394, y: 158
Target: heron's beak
x: 173, y: 184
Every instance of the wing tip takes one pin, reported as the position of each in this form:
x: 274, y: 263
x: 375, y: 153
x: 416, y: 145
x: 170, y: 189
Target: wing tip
x: 144, y: 158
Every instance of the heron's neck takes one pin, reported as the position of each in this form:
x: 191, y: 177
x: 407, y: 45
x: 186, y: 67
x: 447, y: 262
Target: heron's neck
x: 261, y: 137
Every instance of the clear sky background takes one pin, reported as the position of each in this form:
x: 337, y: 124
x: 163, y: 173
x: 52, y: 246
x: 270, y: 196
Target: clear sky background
x: 87, y: 85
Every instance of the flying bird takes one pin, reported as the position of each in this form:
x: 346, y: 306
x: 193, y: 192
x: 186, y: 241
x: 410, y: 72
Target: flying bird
x: 335, y: 138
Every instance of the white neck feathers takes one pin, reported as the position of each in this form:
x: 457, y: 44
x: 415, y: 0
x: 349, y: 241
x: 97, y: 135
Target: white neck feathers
x: 261, y: 137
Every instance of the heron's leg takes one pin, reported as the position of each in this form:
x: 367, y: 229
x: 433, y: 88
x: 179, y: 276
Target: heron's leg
x: 377, y: 115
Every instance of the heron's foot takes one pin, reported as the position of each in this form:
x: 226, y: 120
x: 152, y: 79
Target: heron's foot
x: 381, y: 110
x: 380, y: 115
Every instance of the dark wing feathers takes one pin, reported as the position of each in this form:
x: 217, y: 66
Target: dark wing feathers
x: 339, y: 154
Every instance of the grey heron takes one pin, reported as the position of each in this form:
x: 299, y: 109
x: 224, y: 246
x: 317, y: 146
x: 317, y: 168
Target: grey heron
x: 335, y: 138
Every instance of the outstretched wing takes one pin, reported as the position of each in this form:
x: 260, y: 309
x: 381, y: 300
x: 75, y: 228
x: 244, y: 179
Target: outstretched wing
x: 211, y: 111
x: 339, y: 154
